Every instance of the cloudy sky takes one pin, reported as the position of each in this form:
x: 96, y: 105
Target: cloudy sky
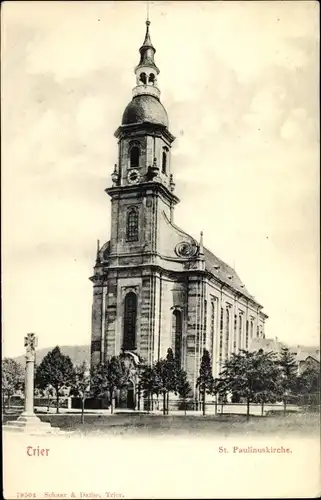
x: 240, y: 84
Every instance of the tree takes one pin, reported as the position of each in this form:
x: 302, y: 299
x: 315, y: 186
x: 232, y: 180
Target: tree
x: 308, y: 385
x: 205, y: 380
x: 218, y: 390
x: 147, y: 383
x: 81, y: 385
x: 49, y: 392
x: 161, y: 380
x: 166, y: 377
x: 12, y: 378
x: 266, y: 384
x: 243, y: 373
x: 56, y: 370
x: 183, y: 386
x: 172, y: 373
x: 109, y: 376
x: 288, y: 375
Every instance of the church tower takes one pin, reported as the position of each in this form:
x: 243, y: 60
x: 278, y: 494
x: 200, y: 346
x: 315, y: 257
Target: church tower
x: 126, y: 280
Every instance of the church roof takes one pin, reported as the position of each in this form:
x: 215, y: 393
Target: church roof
x: 219, y: 269
x: 145, y: 108
x: 224, y: 273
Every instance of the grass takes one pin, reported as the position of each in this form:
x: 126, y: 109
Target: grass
x: 302, y: 424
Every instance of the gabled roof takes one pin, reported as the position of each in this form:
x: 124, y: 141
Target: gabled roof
x: 303, y: 355
x: 225, y: 273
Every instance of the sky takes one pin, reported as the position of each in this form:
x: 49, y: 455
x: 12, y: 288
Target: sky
x: 239, y: 81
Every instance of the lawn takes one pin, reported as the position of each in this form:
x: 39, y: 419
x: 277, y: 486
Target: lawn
x: 303, y: 424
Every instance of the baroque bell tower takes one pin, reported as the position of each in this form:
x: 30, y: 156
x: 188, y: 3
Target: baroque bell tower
x: 125, y: 314
x: 142, y: 180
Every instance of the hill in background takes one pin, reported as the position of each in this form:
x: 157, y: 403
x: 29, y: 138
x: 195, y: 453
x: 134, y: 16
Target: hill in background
x: 80, y: 353
x: 77, y: 354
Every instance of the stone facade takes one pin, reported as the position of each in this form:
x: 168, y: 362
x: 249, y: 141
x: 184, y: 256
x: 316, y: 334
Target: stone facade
x: 155, y: 287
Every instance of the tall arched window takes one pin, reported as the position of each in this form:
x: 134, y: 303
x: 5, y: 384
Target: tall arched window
x: 164, y: 160
x: 227, y: 331
x: 212, y: 326
x: 235, y: 332
x: 151, y: 78
x: 221, y: 336
x: 205, y: 323
x: 132, y: 224
x: 130, y: 314
x: 134, y: 156
x: 240, y: 330
x: 177, y: 334
x: 247, y: 334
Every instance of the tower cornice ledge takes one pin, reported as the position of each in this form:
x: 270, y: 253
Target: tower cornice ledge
x: 98, y: 280
x: 147, y: 128
x: 145, y: 189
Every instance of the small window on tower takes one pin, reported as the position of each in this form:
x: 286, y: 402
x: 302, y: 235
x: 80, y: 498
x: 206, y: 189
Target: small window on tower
x: 151, y: 78
x: 143, y: 78
x: 134, y: 156
x: 132, y: 225
x: 164, y: 161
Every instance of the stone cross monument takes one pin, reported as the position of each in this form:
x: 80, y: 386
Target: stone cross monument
x: 31, y: 343
x: 28, y: 421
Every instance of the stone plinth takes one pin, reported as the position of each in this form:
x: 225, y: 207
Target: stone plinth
x: 31, y: 424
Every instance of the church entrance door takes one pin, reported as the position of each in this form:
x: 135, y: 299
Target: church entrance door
x: 131, y: 396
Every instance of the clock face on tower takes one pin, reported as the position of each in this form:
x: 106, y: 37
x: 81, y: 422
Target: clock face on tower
x: 133, y: 176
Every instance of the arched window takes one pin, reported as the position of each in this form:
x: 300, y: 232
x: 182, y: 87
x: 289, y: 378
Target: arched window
x: 240, y: 330
x: 132, y: 224
x: 130, y: 314
x: 227, y: 332
x: 235, y: 332
x: 143, y: 78
x: 164, y: 160
x: 134, y: 156
x: 247, y: 334
x: 221, y: 336
x: 205, y: 322
x: 177, y: 335
x: 151, y: 78
x: 212, y: 326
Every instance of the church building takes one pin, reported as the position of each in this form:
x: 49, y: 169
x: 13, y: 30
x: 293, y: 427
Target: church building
x: 154, y: 285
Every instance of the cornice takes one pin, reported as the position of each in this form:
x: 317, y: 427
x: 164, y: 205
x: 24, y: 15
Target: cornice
x: 142, y: 189
x: 147, y: 128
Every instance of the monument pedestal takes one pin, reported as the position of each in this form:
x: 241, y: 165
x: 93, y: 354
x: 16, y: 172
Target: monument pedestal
x: 30, y: 424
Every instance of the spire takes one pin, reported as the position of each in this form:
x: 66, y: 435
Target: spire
x: 147, y: 41
x: 200, y: 259
x: 147, y: 51
x: 146, y: 71
x: 201, y: 247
